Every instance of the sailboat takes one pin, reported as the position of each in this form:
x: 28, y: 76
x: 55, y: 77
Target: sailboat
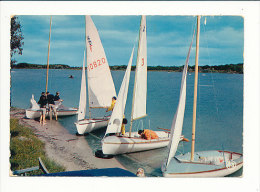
x: 101, y: 87
x: 131, y: 141
x: 34, y: 111
x: 213, y: 163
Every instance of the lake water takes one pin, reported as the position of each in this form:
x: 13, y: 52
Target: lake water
x: 219, y: 110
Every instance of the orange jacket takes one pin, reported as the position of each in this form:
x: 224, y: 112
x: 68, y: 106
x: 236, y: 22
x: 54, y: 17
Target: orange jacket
x: 149, y: 134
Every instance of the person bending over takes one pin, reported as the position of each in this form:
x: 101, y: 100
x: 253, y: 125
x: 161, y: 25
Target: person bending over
x: 147, y: 134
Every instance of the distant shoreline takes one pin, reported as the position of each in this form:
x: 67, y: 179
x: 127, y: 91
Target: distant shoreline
x: 227, y: 68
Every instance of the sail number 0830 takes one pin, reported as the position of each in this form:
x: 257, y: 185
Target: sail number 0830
x: 96, y: 64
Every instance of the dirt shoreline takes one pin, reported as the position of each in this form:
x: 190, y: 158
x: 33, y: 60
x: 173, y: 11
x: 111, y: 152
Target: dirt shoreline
x: 70, y: 151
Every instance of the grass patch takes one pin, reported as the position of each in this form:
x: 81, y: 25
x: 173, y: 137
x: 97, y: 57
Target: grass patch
x: 25, y: 149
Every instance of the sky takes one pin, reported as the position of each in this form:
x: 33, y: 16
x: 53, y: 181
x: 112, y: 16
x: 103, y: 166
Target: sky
x: 168, y: 39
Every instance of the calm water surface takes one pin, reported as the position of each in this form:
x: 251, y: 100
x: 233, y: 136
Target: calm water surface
x: 219, y: 110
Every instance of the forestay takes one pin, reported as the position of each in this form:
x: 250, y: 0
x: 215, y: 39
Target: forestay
x: 140, y: 87
x: 115, y: 122
x: 83, y: 94
x: 176, y: 128
x: 101, y: 87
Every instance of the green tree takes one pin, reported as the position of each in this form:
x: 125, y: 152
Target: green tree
x: 16, y: 38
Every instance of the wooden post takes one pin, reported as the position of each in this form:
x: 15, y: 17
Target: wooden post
x: 48, y: 57
x: 195, y: 90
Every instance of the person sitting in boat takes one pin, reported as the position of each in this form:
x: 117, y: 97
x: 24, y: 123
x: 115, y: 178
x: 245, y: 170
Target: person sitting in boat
x: 50, y: 98
x: 147, y: 134
x: 112, y: 104
x: 43, y: 102
x: 123, y: 126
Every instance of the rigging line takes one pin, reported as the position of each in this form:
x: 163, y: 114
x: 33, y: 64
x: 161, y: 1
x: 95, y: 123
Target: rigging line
x: 211, y: 74
x: 181, y: 145
x: 96, y: 137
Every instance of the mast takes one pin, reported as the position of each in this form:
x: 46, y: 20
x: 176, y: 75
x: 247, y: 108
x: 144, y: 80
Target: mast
x: 48, y: 57
x: 89, y: 111
x: 133, y: 101
x: 195, y: 89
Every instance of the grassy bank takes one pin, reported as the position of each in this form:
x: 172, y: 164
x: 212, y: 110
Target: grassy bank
x: 25, y: 149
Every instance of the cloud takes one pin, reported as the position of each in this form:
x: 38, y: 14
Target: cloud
x: 225, y: 37
x: 73, y: 31
x: 123, y: 37
x: 61, y: 44
x: 168, y: 38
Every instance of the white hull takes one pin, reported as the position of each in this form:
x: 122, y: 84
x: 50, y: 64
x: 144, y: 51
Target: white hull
x: 89, y: 125
x: 215, y: 173
x: 197, y: 169
x: 114, y: 145
x: 33, y: 114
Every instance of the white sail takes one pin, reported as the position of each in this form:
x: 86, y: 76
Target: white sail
x: 115, y: 122
x: 101, y: 87
x: 176, y: 128
x: 34, y: 104
x: 140, y: 87
x: 83, y: 94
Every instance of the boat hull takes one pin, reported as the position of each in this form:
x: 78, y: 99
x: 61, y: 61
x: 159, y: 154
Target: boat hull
x: 88, y: 125
x: 114, y: 145
x: 180, y: 166
x: 33, y: 114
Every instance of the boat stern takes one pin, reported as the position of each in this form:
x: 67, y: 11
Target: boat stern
x: 88, y: 125
x: 32, y: 114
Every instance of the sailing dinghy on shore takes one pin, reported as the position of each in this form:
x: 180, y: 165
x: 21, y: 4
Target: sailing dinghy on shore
x: 213, y: 163
x: 131, y: 141
x: 35, y: 112
x: 101, y: 87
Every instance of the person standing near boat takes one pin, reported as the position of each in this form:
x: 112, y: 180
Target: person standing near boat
x: 57, y: 97
x: 123, y: 126
x: 57, y: 100
x: 43, y: 102
x: 50, y: 98
x: 147, y: 134
x: 112, y: 104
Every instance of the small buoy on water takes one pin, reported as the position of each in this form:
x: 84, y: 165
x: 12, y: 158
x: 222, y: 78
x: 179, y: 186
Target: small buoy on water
x: 100, y: 154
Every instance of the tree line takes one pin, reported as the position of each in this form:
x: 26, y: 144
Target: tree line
x: 227, y: 68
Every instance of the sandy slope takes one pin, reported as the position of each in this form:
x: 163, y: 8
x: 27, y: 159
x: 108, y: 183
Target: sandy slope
x: 71, y: 151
